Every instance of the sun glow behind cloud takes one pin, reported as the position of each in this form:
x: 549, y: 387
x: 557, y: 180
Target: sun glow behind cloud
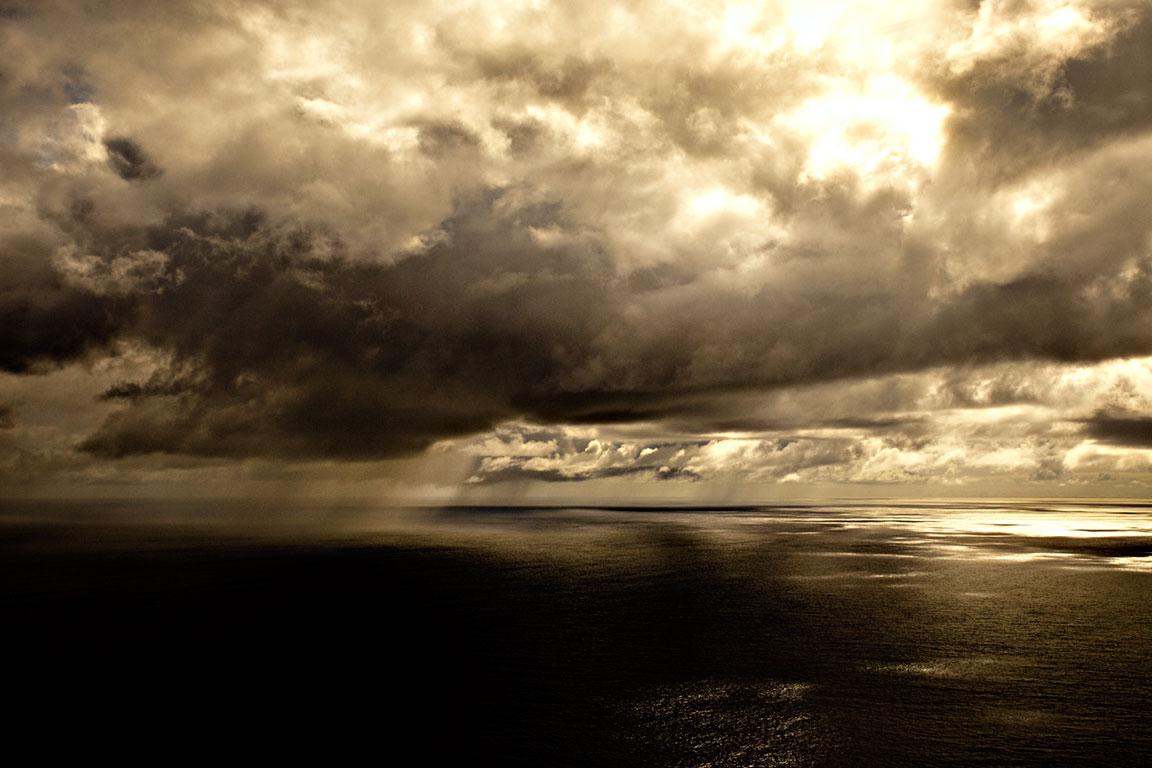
x: 883, y: 130
x: 866, y: 115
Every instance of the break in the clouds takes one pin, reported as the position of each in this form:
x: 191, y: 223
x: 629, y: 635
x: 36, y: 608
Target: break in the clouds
x: 830, y: 242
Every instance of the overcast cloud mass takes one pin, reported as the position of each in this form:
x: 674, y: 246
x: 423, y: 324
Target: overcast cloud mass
x: 652, y: 249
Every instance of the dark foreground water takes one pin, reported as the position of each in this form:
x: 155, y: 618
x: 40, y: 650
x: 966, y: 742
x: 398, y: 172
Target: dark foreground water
x: 959, y: 634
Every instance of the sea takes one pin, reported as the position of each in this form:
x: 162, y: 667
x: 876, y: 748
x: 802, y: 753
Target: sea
x: 934, y: 633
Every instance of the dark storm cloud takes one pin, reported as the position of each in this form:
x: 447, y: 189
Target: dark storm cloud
x: 441, y: 138
x: 523, y: 135
x: 280, y: 351
x: 43, y: 320
x: 1121, y: 429
x: 281, y: 346
x: 129, y: 160
x: 1016, y: 112
x: 1045, y: 317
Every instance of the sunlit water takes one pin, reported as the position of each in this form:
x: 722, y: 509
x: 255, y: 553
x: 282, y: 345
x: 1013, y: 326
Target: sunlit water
x: 911, y: 634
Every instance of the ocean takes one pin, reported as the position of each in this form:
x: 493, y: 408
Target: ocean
x: 976, y: 633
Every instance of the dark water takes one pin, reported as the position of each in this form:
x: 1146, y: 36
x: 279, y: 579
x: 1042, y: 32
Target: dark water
x: 993, y: 634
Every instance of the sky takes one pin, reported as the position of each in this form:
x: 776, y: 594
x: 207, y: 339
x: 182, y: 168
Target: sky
x: 714, y: 252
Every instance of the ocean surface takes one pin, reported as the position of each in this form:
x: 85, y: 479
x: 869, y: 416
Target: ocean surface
x: 928, y: 634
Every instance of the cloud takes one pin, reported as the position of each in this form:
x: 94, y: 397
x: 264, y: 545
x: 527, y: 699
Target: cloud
x: 43, y: 320
x: 129, y: 160
x: 1121, y: 429
x: 364, y: 233
x: 280, y: 345
x: 1040, y: 81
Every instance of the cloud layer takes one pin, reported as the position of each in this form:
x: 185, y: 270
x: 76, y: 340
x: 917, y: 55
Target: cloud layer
x: 784, y: 241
